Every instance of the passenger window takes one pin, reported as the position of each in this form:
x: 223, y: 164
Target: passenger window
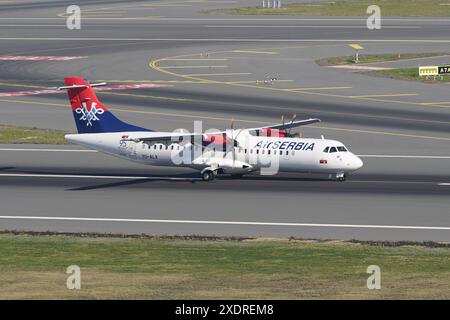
x: 154, y: 146
x: 160, y: 147
x: 287, y: 153
x: 333, y: 149
x: 281, y: 152
x: 268, y: 152
x: 245, y: 150
x: 257, y: 151
x: 326, y: 149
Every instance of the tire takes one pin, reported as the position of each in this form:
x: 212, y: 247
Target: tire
x: 208, y: 175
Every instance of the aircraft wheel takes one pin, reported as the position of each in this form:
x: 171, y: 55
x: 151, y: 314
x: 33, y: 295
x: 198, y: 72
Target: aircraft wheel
x: 208, y: 175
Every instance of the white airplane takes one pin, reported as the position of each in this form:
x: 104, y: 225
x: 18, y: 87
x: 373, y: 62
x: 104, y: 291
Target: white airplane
x: 268, y: 149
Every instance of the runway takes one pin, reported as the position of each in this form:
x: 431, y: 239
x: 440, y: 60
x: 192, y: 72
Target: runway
x: 89, y: 185
x: 214, y: 68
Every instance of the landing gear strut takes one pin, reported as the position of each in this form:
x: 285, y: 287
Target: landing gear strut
x: 341, y: 177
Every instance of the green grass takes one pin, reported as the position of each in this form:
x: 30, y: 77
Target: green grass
x: 411, y: 74
x: 405, y: 8
x: 371, y: 58
x: 20, y: 135
x: 34, y: 267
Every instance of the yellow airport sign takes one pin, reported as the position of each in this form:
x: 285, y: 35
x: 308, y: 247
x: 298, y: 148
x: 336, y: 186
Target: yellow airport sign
x: 428, y: 71
x: 356, y: 46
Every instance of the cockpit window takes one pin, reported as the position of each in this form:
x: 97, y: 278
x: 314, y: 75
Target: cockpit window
x: 342, y: 149
x: 326, y: 149
x: 333, y: 149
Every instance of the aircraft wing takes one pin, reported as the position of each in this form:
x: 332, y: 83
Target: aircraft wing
x: 178, y: 137
x: 175, y: 137
x: 289, y: 125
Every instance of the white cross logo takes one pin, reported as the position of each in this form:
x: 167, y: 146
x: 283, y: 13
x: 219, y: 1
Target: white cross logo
x: 89, y: 115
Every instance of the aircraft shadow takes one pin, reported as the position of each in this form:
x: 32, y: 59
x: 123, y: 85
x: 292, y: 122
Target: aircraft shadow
x: 186, y: 178
x: 6, y: 168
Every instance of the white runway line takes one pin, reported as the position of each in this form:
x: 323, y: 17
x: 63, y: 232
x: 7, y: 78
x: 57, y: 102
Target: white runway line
x: 401, y: 156
x: 265, y: 19
x: 444, y: 184
x: 81, y: 176
x: 235, y: 40
x: 306, y: 26
x: 34, y: 25
x: 46, y: 150
x: 243, y: 223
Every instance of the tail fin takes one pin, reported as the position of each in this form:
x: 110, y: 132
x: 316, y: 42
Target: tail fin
x: 91, y: 116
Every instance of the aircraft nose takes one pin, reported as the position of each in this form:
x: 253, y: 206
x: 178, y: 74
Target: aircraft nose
x: 357, y: 163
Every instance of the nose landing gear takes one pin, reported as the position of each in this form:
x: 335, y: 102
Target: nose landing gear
x: 341, y: 176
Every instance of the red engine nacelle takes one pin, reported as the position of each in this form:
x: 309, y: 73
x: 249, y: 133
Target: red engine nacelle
x: 269, y: 132
x: 217, y: 139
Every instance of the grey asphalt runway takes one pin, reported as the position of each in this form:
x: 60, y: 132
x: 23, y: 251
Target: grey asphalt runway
x: 214, y: 68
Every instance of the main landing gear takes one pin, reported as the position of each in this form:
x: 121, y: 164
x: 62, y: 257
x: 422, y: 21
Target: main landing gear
x: 208, y: 175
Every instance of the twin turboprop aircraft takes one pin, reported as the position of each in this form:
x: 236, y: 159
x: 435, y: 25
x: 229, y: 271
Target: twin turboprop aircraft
x: 268, y: 150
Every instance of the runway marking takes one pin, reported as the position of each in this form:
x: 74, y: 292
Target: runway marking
x: 243, y: 223
x: 257, y: 40
x: 306, y: 26
x: 33, y: 25
x: 40, y: 58
x: 192, y: 116
x: 198, y: 59
x: 359, y: 68
x: 191, y: 67
x: 385, y: 95
x: 401, y: 156
x: 81, y: 176
x: 48, y: 150
x: 444, y: 184
x: 217, y: 74
x: 145, y: 96
x: 54, y: 91
x: 256, y: 81
x: 153, y: 64
x: 436, y: 103
x: 318, y: 88
x: 264, y: 19
x: 254, y: 51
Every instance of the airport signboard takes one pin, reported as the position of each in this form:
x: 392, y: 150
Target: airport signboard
x: 428, y: 71
x: 442, y: 70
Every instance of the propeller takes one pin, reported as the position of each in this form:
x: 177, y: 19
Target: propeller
x: 233, y: 143
x: 288, y: 133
